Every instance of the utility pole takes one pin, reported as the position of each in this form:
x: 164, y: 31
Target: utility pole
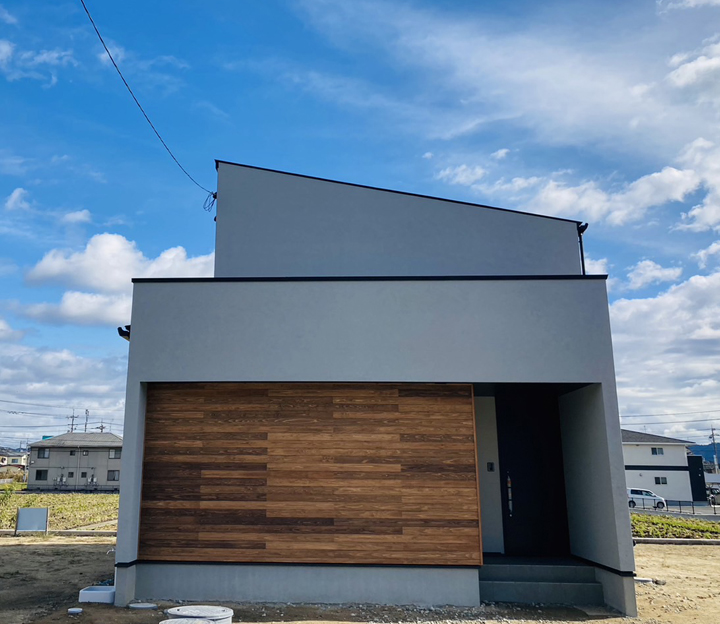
x: 102, y: 427
x: 715, y: 453
x: 87, y: 416
x: 72, y: 421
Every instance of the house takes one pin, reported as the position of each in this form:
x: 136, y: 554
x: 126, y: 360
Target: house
x: 663, y: 465
x: 76, y: 461
x: 348, y: 410
x: 10, y: 458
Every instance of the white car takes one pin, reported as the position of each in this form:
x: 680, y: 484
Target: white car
x: 645, y: 499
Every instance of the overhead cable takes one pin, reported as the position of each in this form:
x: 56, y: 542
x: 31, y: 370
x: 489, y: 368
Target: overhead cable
x: 210, y: 193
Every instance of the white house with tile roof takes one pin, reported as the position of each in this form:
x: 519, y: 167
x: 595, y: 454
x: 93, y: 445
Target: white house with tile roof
x: 657, y: 463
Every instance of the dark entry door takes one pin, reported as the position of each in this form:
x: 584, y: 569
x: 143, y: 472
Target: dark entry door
x: 697, y: 477
x: 532, y: 479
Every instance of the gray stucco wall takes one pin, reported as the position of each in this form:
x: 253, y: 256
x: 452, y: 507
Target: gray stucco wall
x: 595, y: 477
x: 490, y: 498
x: 272, y: 224
x: 437, y: 331
x: 479, y: 331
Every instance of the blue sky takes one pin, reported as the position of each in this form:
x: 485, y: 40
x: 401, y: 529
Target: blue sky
x: 601, y: 111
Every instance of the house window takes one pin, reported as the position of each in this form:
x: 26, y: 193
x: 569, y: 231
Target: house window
x: 113, y: 475
x: 71, y: 475
x: 85, y: 453
x: 658, y: 450
x: 83, y: 475
x: 43, y: 453
x: 115, y: 453
x: 72, y: 452
x: 660, y: 480
x: 14, y: 461
x: 41, y: 475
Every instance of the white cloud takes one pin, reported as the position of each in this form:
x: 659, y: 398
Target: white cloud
x: 12, y: 164
x: 647, y: 272
x: 6, y: 17
x: 596, y: 267
x: 79, y: 216
x: 79, y: 308
x: 509, y: 187
x: 629, y: 204
x: 703, y: 255
x: 566, y: 90
x: 110, y: 261
x: 687, y: 4
x: 500, y: 154
x: 150, y: 72
x: 667, y: 348
x: 17, y: 200
x: 7, y: 333
x: 214, y: 111
x: 118, y: 53
x: 53, y: 58
x: 105, y: 267
x: 427, y: 155
x: 462, y: 175
x: 6, y: 52
x: 59, y: 377
x: 703, y: 156
x: 700, y: 68
x: 35, y: 64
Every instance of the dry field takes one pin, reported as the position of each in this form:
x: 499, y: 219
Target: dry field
x: 40, y: 578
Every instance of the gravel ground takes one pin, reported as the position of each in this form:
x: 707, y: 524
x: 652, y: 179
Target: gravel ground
x: 40, y: 579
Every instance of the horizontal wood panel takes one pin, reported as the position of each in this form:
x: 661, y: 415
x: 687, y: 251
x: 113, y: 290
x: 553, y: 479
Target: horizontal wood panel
x: 310, y: 473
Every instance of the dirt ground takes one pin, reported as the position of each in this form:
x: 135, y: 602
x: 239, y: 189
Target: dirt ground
x: 40, y: 579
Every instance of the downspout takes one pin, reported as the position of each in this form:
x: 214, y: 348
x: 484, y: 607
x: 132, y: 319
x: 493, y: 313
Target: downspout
x: 581, y: 227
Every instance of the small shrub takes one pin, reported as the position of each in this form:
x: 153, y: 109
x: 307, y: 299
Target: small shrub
x: 644, y: 525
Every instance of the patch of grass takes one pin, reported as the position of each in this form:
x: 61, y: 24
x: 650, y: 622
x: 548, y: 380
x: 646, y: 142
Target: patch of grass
x: 645, y: 525
x: 67, y: 511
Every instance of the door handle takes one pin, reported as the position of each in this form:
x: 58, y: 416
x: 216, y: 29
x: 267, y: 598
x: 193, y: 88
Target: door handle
x: 509, y: 495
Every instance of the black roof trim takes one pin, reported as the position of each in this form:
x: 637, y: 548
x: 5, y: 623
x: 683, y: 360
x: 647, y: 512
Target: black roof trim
x: 377, y: 188
x: 383, y: 278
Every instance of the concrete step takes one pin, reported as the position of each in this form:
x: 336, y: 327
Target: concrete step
x: 533, y: 572
x: 542, y: 592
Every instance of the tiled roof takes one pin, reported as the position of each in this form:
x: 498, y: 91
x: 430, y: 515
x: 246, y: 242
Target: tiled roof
x: 649, y: 438
x: 89, y: 440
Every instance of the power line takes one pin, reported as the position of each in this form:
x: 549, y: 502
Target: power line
x: 33, y: 413
x: 52, y: 426
x: 672, y: 422
x: 65, y: 407
x: 669, y: 414
x: 142, y: 110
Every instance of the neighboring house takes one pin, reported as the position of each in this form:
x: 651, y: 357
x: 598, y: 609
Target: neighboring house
x: 318, y: 421
x: 13, y: 459
x: 662, y: 465
x: 76, y: 461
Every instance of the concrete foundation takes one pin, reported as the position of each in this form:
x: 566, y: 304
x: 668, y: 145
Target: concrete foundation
x: 619, y: 591
x: 323, y: 584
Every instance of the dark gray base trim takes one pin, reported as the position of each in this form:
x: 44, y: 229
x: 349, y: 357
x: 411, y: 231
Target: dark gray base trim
x: 130, y: 564
x: 658, y: 469
x: 627, y: 573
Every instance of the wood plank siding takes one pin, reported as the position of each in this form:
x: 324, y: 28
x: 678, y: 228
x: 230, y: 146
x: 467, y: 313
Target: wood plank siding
x: 310, y: 473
